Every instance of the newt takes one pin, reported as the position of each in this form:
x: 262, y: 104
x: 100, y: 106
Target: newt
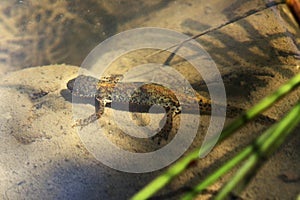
x: 145, y: 95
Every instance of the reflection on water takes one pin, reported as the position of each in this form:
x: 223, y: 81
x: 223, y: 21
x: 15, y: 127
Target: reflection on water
x: 48, y: 31
x: 51, y: 31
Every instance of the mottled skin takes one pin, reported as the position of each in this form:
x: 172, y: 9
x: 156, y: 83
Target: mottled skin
x: 140, y: 97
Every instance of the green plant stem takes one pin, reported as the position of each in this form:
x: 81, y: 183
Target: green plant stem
x: 276, y: 136
x: 225, y: 168
x: 159, y: 182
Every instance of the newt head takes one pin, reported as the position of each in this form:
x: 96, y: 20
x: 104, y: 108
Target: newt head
x: 83, y: 86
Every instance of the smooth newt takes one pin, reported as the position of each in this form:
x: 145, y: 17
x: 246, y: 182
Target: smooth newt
x: 104, y: 92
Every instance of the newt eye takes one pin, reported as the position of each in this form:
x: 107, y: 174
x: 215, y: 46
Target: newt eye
x: 70, y: 84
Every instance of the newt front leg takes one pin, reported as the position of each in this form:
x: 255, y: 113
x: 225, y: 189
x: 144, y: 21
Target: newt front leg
x: 99, y: 110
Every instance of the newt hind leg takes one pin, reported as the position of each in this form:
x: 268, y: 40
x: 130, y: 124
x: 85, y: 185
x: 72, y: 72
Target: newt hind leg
x: 165, y: 131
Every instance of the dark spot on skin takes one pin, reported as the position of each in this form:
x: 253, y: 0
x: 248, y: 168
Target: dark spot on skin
x: 38, y: 17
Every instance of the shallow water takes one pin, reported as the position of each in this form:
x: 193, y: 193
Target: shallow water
x: 43, y: 156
